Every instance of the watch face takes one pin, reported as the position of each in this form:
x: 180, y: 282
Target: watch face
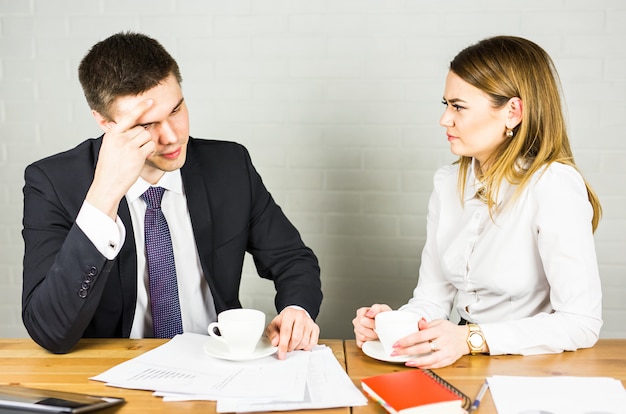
x: 476, y: 340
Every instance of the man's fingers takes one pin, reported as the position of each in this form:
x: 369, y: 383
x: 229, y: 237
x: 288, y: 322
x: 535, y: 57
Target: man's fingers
x: 273, y: 334
x: 298, y: 337
x: 148, y: 147
x: 313, y: 337
x: 130, y: 119
x: 284, y: 337
x: 291, y: 330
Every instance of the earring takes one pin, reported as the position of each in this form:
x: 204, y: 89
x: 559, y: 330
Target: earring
x: 509, y: 133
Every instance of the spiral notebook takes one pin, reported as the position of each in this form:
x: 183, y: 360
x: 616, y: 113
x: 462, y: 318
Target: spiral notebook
x: 415, y: 391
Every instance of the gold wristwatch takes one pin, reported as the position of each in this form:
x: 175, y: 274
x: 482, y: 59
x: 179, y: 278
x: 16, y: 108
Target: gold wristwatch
x: 475, y: 339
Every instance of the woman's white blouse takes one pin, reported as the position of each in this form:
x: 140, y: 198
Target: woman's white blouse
x: 530, y: 279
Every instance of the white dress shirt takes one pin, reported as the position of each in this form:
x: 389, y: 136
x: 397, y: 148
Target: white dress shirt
x: 530, y: 279
x: 196, y: 301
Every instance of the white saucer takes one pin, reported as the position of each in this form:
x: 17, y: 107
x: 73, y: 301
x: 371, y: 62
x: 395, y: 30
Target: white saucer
x: 374, y: 349
x: 218, y: 349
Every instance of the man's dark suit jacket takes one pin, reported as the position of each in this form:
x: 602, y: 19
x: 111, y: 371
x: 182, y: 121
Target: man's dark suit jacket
x: 71, y: 291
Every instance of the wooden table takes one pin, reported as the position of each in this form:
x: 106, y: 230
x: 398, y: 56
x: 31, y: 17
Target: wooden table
x: 23, y: 362
x: 606, y: 359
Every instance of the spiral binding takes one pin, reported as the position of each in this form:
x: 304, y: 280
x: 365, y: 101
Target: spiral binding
x: 467, y: 401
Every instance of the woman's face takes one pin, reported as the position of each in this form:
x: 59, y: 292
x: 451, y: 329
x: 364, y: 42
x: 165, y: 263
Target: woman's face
x: 473, y: 127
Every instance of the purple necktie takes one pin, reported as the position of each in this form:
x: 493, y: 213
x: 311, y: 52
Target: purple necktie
x: 161, y: 268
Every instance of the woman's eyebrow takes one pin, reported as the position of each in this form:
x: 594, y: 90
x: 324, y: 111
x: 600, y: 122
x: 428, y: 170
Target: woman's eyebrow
x: 454, y: 100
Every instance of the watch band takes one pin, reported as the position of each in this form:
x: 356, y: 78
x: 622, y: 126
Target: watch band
x: 475, y: 339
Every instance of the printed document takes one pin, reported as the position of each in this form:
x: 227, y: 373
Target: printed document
x: 180, y: 370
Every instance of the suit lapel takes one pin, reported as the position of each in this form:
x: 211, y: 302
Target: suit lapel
x: 198, y: 204
x: 197, y: 193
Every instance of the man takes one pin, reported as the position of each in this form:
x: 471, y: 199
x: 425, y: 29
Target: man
x: 86, y: 267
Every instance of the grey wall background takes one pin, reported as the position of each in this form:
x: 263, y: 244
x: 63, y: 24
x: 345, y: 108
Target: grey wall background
x: 338, y: 102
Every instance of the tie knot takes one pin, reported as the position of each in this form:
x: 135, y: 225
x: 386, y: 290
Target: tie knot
x: 153, y: 196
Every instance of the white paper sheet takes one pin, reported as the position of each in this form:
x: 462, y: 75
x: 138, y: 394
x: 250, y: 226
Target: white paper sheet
x: 181, y: 366
x: 328, y: 386
x: 557, y: 395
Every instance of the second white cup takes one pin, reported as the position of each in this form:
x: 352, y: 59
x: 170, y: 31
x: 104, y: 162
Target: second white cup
x: 393, y: 325
x: 240, y: 330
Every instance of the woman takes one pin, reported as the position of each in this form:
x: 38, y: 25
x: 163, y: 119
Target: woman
x: 510, y: 224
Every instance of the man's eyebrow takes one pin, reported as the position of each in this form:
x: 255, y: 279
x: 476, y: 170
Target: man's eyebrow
x: 172, y: 111
x: 179, y: 104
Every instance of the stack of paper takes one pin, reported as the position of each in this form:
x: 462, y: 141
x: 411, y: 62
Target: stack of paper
x: 181, y: 370
x: 557, y: 395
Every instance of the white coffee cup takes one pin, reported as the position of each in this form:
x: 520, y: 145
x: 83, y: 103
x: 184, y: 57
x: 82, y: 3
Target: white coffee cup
x: 391, y: 326
x: 240, y: 330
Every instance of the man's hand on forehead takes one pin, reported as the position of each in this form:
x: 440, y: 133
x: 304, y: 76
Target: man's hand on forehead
x: 125, y: 147
x: 130, y: 119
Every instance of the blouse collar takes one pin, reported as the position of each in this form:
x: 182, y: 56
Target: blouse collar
x: 474, y: 186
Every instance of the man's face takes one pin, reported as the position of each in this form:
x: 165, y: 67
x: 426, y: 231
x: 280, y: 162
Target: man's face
x: 167, y: 120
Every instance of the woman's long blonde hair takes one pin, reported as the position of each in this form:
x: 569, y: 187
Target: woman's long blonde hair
x: 505, y: 67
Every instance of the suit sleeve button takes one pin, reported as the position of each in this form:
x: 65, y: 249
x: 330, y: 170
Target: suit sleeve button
x: 82, y: 293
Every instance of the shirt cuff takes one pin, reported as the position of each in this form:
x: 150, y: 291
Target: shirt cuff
x: 299, y: 308
x: 107, y: 235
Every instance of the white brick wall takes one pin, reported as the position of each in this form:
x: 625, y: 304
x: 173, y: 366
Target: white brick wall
x: 338, y: 103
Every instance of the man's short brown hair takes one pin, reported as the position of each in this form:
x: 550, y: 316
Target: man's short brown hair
x: 125, y: 64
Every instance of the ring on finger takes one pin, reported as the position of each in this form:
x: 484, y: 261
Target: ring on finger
x: 433, y: 346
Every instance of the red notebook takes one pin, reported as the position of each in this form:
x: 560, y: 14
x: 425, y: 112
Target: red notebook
x: 415, y: 391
